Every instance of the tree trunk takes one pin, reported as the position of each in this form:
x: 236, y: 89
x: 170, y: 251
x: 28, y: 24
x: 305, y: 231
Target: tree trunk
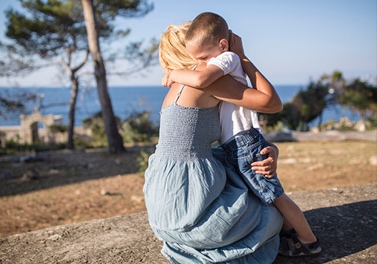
x: 114, y: 139
x: 320, y: 117
x: 71, y: 114
x: 363, y: 121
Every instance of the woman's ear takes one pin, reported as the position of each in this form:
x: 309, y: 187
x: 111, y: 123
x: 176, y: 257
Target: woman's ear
x: 224, y: 45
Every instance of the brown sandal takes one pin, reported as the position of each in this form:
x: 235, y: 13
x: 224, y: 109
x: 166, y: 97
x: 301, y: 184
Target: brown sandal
x: 292, y: 247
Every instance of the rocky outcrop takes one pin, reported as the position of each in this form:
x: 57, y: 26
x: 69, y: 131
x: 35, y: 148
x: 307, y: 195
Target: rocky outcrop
x: 345, y: 220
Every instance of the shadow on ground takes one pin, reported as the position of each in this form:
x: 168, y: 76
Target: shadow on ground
x: 52, y: 169
x: 343, y: 230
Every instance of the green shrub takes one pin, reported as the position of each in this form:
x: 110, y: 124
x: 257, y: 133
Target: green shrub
x: 12, y: 147
x: 142, y: 161
x: 57, y: 128
x: 96, y: 125
x: 138, y: 128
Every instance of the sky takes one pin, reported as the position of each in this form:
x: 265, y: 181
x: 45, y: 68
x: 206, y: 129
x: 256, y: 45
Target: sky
x: 291, y: 42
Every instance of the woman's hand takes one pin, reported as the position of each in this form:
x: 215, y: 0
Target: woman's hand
x: 268, y: 166
x: 235, y: 44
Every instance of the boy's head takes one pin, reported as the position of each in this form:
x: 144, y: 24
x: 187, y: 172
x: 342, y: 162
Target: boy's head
x: 207, y: 37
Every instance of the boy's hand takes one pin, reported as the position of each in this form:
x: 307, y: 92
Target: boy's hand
x: 166, y: 81
x: 235, y: 44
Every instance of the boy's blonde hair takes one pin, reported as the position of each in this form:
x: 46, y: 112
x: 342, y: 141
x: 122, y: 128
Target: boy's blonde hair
x: 172, y: 50
x: 207, y: 28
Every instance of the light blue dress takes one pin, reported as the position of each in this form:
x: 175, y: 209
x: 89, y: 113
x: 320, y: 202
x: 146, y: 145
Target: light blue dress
x: 197, y: 203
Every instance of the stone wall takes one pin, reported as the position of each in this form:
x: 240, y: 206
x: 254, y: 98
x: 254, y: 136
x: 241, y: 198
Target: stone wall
x: 29, y: 131
x: 15, y: 133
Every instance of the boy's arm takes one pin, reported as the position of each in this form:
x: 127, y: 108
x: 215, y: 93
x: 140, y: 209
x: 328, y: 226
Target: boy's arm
x: 194, y: 78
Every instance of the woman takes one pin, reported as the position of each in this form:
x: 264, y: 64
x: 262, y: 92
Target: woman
x: 197, y: 203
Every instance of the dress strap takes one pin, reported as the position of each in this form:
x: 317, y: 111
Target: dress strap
x: 181, y: 89
x: 179, y: 94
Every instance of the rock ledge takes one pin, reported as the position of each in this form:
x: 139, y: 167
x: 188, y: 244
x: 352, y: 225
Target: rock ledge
x: 345, y: 220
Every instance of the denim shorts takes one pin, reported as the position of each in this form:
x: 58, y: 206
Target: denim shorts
x: 243, y: 149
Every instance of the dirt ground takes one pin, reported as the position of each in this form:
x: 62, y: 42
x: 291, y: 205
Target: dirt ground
x: 68, y: 187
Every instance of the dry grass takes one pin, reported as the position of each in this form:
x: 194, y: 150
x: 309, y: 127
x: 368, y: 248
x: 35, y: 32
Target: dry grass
x: 74, y: 187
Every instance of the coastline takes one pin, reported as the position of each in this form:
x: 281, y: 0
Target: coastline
x: 127, y: 100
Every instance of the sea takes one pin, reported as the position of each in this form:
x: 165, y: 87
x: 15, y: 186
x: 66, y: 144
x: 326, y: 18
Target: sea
x: 126, y: 101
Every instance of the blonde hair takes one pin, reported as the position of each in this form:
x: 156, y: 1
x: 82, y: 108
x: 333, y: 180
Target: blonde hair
x: 207, y: 28
x: 172, y: 50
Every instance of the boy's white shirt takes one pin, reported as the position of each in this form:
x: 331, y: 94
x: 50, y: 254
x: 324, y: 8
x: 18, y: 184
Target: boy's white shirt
x: 234, y: 118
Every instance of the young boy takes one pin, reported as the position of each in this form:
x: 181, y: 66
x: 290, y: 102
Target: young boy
x: 207, y: 40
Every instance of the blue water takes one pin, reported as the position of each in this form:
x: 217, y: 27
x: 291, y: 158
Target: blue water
x: 128, y: 100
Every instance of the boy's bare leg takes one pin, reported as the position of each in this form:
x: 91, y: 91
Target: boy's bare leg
x: 294, y: 218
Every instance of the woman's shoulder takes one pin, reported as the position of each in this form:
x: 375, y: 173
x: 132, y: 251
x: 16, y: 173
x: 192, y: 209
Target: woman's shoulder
x: 170, y: 95
x: 189, y: 97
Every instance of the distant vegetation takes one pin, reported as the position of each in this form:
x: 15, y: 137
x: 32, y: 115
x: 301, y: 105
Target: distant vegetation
x: 137, y: 128
x: 63, y: 34
x: 330, y: 90
x: 55, y: 33
x: 307, y: 105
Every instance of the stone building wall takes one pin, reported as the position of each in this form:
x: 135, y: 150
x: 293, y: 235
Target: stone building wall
x: 35, y: 128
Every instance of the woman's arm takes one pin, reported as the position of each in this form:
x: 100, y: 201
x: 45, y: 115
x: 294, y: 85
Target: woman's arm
x: 257, y: 79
